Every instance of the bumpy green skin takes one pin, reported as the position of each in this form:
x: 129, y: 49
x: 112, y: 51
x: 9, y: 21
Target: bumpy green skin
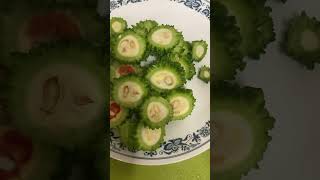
x: 187, y: 94
x: 256, y: 25
x: 196, y: 44
x: 142, y: 145
x: 161, y: 49
x: 228, y: 59
x: 130, y: 78
x: 183, y: 48
x: 202, y: 71
x: 186, y: 63
x: 144, y: 112
x: 119, y: 20
x: 127, y: 132
x: 79, y: 54
x: 249, y: 103
x: 144, y: 27
x: 12, y: 21
x: 119, y: 120
x: 142, y: 45
x: 291, y: 44
x: 173, y: 67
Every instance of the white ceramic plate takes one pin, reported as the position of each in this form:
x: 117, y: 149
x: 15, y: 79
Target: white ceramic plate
x: 188, y: 138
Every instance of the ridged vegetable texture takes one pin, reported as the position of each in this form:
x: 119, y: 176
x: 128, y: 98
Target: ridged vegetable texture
x: 150, y: 64
x: 302, y: 40
x: 240, y: 110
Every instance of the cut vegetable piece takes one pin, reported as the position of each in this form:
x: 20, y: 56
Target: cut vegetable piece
x: 186, y: 64
x: 204, y: 74
x: 256, y: 25
x: 149, y: 139
x: 199, y: 50
x: 165, y: 76
x: 60, y: 92
x: 127, y: 133
x: 129, y: 91
x: 302, y: 40
x: 117, y: 114
x: 117, y: 25
x: 156, y: 112
x: 240, y: 132
x: 182, y: 102
x: 226, y: 49
x: 144, y: 27
x: 25, y: 160
x: 129, y: 47
x: 163, y: 38
x: 148, y: 25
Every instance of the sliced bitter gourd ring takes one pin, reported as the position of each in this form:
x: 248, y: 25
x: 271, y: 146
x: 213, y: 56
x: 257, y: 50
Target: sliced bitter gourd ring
x: 199, y: 50
x: 302, y: 40
x: 204, y: 74
x: 117, y: 25
x: 129, y: 91
x: 256, y: 25
x: 24, y: 159
x: 186, y: 64
x: 117, y: 114
x: 127, y: 133
x: 156, y: 112
x: 59, y: 94
x: 130, y: 47
x: 165, y: 76
x: 226, y: 49
x: 182, y: 102
x: 163, y: 38
x: 241, y: 125
x: 144, y: 27
x: 149, y: 139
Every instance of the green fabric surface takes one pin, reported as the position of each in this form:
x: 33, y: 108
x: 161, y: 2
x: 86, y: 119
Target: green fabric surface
x: 197, y: 168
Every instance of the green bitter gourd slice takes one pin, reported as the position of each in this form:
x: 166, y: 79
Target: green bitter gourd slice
x: 240, y: 133
x: 149, y: 139
x: 204, y: 74
x: 60, y: 86
x: 182, y: 102
x: 302, y: 40
x: 165, y: 75
x: 129, y: 91
x: 127, y: 133
x: 117, y: 114
x: 199, y: 50
x: 117, y: 25
x: 156, y: 112
x: 256, y: 25
x: 163, y: 38
x: 129, y: 47
x: 226, y: 49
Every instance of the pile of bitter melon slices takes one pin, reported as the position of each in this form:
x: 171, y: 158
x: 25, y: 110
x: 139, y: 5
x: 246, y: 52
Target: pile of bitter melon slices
x: 150, y: 65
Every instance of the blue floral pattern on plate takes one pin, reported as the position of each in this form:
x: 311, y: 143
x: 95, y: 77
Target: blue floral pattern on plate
x: 172, y: 147
x: 202, y: 6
